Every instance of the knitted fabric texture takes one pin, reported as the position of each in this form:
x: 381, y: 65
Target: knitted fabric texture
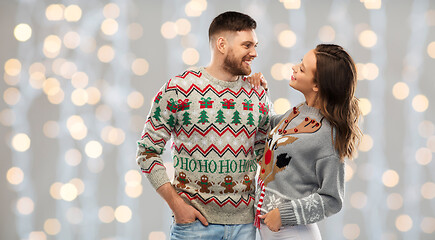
x: 301, y: 173
x: 217, y: 130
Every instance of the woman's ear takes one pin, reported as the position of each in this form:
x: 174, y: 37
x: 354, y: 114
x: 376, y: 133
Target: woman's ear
x: 315, y: 88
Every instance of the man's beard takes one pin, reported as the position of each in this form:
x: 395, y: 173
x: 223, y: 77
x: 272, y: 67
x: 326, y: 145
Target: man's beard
x: 234, y: 66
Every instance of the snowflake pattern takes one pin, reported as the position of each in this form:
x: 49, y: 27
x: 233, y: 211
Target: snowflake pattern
x: 311, y: 208
x: 212, y: 139
x: 273, y: 202
x: 195, y: 113
x: 212, y: 112
x: 220, y: 142
x: 314, y: 218
x: 311, y: 202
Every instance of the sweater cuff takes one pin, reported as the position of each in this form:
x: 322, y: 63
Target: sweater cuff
x: 158, y: 177
x: 288, y: 216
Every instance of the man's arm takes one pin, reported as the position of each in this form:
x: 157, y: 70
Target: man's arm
x: 183, y: 212
x: 157, y: 131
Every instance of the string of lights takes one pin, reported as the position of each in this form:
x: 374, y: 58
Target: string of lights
x: 79, y: 77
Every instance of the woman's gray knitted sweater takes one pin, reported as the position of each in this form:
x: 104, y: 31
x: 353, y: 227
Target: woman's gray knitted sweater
x: 301, y: 172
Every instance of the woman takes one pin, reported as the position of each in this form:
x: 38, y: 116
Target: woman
x: 301, y: 179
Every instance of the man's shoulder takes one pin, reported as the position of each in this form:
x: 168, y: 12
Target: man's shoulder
x: 194, y: 72
x: 186, y: 78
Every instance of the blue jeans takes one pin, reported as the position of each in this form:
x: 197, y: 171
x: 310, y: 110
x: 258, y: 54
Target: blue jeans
x: 197, y: 231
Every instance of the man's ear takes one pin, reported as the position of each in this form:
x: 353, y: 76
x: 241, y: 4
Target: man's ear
x: 221, y: 45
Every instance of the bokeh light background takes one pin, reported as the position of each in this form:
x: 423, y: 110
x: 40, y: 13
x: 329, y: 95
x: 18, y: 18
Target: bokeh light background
x: 78, y: 77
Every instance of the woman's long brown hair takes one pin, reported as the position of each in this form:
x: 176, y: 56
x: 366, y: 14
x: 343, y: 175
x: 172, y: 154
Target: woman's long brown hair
x: 336, y: 79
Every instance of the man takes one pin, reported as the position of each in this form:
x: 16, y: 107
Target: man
x: 218, y: 123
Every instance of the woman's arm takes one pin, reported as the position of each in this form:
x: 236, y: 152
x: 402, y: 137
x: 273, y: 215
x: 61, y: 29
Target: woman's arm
x: 326, y: 201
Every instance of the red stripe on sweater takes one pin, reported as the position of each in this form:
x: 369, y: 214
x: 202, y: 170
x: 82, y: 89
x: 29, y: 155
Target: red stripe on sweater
x: 202, y: 91
x: 195, y: 129
x: 220, y: 204
x: 152, y: 140
x: 152, y: 166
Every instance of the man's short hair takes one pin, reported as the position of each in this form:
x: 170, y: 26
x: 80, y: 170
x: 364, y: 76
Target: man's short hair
x: 231, y: 21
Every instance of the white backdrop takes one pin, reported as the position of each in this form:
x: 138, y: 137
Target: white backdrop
x: 78, y: 78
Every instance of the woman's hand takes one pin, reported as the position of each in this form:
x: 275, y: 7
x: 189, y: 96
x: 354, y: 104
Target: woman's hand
x: 256, y: 80
x: 272, y: 219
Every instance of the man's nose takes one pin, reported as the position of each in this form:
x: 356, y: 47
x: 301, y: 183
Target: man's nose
x: 254, y: 53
